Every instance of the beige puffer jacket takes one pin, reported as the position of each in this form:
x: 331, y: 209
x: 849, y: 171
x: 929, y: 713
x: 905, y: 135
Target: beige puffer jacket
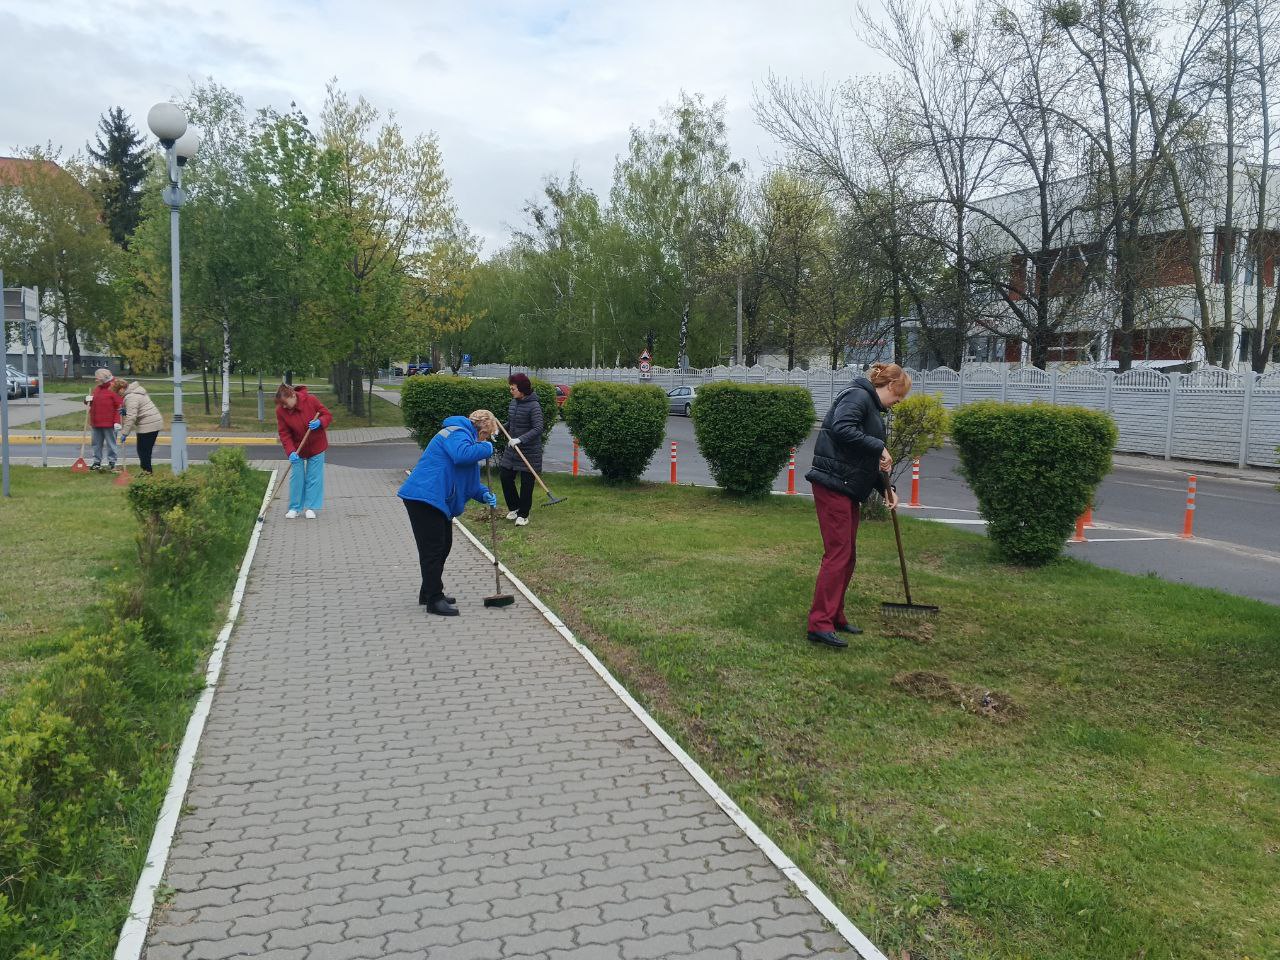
x: 140, y: 413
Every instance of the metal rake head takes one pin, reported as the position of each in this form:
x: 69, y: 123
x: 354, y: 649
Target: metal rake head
x: 908, y: 610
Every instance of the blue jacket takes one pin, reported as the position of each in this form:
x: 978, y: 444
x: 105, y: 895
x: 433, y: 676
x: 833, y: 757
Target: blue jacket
x: 448, y: 472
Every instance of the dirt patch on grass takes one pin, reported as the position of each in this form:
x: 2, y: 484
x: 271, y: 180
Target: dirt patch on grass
x: 917, y: 631
x: 979, y: 701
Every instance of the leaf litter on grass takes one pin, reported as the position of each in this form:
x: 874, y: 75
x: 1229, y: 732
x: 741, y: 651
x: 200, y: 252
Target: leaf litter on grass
x: 979, y: 701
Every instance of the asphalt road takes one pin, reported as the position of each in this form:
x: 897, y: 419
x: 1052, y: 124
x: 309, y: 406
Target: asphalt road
x: 1138, y: 514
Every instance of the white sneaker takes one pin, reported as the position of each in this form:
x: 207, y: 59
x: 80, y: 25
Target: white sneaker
x: 310, y: 514
x: 512, y: 515
x: 291, y: 515
x: 522, y: 521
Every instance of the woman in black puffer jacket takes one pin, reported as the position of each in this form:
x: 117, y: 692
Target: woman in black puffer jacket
x: 849, y: 461
x: 524, y: 424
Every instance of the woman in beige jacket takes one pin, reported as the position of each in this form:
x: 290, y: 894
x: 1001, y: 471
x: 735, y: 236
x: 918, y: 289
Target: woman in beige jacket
x: 139, y: 415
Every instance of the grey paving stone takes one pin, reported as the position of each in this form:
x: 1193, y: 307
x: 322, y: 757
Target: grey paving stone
x: 376, y: 782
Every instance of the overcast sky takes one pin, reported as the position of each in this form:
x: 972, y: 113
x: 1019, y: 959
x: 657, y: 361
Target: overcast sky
x: 515, y: 90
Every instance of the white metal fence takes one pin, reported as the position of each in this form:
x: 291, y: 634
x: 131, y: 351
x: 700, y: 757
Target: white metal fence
x: 1211, y: 414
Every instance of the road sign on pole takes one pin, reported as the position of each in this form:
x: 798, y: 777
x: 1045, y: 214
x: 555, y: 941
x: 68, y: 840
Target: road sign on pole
x: 646, y: 366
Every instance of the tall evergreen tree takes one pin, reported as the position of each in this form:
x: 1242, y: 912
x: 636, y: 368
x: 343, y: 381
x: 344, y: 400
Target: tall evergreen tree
x: 123, y: 166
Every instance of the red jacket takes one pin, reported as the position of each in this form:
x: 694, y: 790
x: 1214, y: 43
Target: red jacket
x: 292, y: 424
x: 104, y: 406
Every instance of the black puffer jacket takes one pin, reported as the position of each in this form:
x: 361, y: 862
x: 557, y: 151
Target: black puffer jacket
x: 524, y: 422
x: 847, y: 455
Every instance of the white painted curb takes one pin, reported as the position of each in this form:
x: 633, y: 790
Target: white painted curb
x: 843, y: 925
x: 133, y: 935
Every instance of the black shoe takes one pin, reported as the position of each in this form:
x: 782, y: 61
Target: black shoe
x: 441, y: 607
x: 848, y: 628
x: 447, y: 599
x: 828, y: 638
x: 95, y: 467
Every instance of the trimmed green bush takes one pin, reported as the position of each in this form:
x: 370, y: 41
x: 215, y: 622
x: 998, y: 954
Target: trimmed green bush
x: 426, y: 401
x: 1034, y: 470
x: 88, y: 741
x: 619, y: 425
x: 746, y: 431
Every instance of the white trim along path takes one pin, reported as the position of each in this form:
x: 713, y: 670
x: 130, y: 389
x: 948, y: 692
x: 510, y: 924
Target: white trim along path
x: 375, y: 782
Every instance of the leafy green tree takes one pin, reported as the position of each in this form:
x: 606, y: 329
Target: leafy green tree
x: 122, y: 164
x: 402, y: 251
x: 52, y: 237
x: 677, y: 190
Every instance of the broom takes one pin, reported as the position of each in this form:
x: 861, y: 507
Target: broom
x: 285, y: 476
x: 499, y: 599
x: 80, y: 466
x: 907, y: 609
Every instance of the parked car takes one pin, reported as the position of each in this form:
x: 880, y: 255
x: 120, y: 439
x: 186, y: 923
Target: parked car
x: 562, y: 393
x: 680, y: 399
x: 20, y: 385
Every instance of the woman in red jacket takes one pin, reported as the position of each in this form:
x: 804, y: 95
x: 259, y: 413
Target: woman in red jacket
x: 299, y: 417
x: 104, y: 417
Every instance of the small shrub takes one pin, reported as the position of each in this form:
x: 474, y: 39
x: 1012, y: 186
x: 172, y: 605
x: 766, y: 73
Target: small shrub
x: 746, y: 431
x: 619, y: 425
x: 152, y: 495
x: 426, y: 401
x: 1034, y: 470
x: 916, y: 425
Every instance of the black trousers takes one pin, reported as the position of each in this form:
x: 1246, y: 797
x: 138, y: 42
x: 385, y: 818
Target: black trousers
x: 433, y: 532
x: 521, y: 502
x: 146, y: 443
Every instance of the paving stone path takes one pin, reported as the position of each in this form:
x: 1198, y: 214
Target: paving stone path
x: 376, y: 782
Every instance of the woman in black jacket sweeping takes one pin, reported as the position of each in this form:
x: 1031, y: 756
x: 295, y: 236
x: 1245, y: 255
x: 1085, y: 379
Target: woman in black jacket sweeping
x: 524, y: 424
x: 849, y: 461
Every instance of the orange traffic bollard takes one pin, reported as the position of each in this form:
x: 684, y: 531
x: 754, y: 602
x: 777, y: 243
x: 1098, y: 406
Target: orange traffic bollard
x: 915, y: 484
x: 1079, y: 535
x: 575, y: 456
x: 791, y: 473
x: 1188, y: 520
x: 1088, y: 517
x: 673, y: 461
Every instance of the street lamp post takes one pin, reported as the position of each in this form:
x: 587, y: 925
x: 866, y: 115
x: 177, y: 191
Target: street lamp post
x: 169, y: 124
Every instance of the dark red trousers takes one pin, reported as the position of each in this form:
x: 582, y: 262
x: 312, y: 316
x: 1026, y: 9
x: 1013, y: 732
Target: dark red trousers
x: 838, y: 520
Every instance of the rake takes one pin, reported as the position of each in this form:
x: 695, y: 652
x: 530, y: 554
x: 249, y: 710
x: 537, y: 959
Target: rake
x: 498, y: 599
x: 907, y: 609
x: 122, y: 478
x: 80, y: 466
x: 551, y: 498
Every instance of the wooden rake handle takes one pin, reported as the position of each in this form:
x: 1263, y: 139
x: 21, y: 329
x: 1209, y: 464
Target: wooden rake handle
x: 517, y: 449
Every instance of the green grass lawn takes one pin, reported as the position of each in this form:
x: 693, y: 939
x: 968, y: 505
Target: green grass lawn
x: 158, y: 384
x: 1117, y: 795
x: 244, y: 412
x: 65, y: 535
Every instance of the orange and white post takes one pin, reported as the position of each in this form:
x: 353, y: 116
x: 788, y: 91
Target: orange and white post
x: 673, y: 461
x: 791, y: 474
x: 575, y: 456
x: 1188, y: 520
x: 1078, y: 537
x: 915, y: 484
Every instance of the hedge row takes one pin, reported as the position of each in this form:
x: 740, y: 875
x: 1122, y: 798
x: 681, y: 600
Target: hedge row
x: 88, y: 742
x: 427, y: 401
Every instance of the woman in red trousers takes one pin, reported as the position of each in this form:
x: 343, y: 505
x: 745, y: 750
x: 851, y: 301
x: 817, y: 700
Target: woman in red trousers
x: 849, y: 461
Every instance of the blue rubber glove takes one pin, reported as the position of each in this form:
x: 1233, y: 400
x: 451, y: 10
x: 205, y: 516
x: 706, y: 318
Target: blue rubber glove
x: 490, y: 500
x: 293, y: 457
x: 314, y: 424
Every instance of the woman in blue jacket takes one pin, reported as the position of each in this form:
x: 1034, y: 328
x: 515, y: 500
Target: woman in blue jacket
x: 437, y: 490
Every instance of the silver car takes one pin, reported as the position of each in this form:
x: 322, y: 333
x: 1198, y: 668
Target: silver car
x: 20, y: 384
x: 680, y: 399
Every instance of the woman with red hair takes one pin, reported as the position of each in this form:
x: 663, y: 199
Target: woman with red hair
x: 850, y: 460
x: 299, y: 415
